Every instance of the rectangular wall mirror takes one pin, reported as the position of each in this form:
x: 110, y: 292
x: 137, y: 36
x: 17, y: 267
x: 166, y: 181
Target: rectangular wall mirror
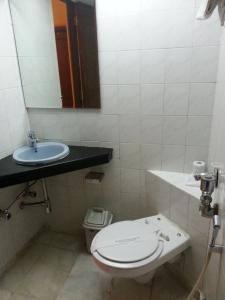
x: 57, y: 49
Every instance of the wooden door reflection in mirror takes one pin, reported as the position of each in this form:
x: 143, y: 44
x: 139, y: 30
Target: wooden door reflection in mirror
x: 77, y: 52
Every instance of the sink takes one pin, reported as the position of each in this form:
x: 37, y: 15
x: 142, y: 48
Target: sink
x: 46, y: 152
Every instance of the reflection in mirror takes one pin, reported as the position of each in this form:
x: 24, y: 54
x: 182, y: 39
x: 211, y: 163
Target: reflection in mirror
x: 58, y: 52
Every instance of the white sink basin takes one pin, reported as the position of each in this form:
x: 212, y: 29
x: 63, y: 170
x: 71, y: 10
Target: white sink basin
x: 46, y: 153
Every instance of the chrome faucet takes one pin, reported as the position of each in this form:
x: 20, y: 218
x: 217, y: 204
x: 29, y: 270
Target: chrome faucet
x: 32, y: 140
x: 208, y: 184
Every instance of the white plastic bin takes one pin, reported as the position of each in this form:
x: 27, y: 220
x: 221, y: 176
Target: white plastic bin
x: 96, y: 219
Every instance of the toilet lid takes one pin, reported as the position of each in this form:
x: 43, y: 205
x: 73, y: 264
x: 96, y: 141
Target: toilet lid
x: 126, y: 242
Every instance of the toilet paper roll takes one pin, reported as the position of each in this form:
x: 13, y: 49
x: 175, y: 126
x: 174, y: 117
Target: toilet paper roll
x: 199, y: 167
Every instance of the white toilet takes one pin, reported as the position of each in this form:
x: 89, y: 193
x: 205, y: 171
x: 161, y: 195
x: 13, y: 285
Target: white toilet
x: 134, y: 249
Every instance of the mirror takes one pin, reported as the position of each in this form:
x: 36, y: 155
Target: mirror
x: 58, y: 52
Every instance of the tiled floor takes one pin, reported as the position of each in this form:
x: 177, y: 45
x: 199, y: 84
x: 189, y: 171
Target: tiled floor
x: 57, y: 267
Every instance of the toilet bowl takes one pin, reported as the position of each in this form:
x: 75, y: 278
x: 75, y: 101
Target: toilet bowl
x: 135, y: 249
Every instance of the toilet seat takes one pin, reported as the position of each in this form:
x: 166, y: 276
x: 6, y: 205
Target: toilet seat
x: 134, y: 249
x: 126, y: 242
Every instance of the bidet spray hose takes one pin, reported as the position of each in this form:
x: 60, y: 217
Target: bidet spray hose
x: 198, y: 282
x: 216, y: 227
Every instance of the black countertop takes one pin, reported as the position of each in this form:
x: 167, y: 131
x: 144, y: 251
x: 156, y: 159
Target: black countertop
x: 12, y: 173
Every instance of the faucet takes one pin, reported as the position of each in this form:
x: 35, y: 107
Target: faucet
x: 208, y: 183
x: 32, y: 140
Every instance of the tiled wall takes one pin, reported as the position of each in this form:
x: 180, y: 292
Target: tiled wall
x: 217, y: 155
x: 13, y: 129
x: 157, y: 82
x: 158, y: 68
x: 181, y: 208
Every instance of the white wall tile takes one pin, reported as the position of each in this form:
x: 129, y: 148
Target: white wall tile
x: 152, y: 99
x: 153, y: 30
x: 128, y: 67
x: 204, y: 64
x: 173, y: 158
x: 182, y: 5
x: 128, y: 37
x: 201, y: 98
x: 129, y: 129
x: 207, y: 33
x: 179, y: 208
x: 107, y: 33
x: 127, y: 7
x: 130, y: 180
x: 198, y: 130
x: 174, y: 130
x: 176, y: 98
x: 130, y: 156
x: 108, y: 129
x: 179, y: 35
x: 131, y: 206
x: 154, y: 5
x: 6, y: 143
x: 109, y: 99
x: 128, y: 99
x: 88, y: 127
x: 178, y: 67
x: 151, y: 130
x: 9, y: 79
x: 151, y: 156
x: 108, y: 67
x: 104, y: 9
x: 159, y: 200
x: 153, y: 63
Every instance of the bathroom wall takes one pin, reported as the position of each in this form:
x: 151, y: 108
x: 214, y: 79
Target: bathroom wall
x: 168, y: 194
x: 13, y: 129
x: 217, y: 155
x: 158, y: 70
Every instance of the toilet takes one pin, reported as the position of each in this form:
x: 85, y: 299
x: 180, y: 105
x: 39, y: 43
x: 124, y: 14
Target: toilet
x: 135, y: 249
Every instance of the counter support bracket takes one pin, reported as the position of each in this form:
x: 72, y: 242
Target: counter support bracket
x: 45, y: 203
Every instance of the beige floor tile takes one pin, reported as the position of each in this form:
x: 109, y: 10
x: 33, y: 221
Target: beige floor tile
x: 66, y: 296
x: 45, y: 238
x: 88, y: 285
x: 5, y: 295
x: 61, y: 240
x: 21, y: 297
x: 128, y: 289
x: 165, y: 287
x: 68, y: 242
x: 84, y: 263
x: 43, y: 282
x: 11, y: 279
x: 57, y: 267
x: 61, y: 260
